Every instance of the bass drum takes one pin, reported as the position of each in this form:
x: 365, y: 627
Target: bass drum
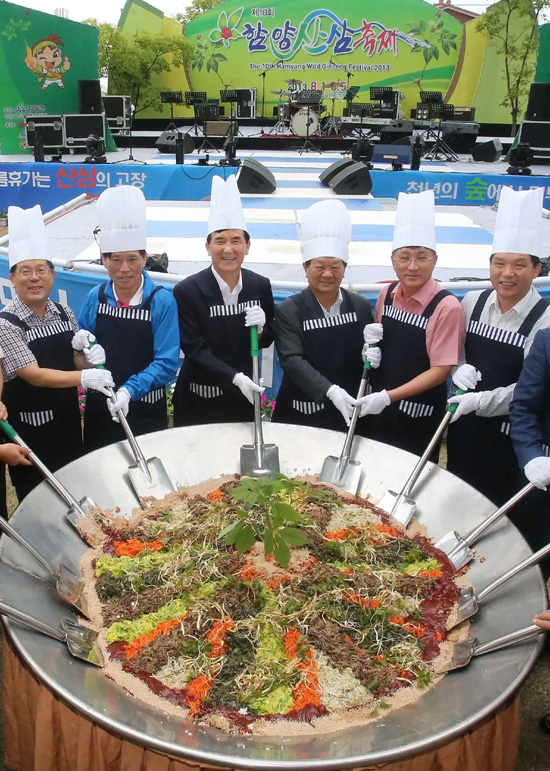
x: 299, y: 122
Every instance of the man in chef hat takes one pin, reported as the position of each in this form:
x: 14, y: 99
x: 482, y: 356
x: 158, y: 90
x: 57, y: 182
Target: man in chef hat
x: 216, y: 306
x: 501, y: 325
x: 41, y: 369
x: 421, y: 328
x: 319, y: 332
x: 135, y: 321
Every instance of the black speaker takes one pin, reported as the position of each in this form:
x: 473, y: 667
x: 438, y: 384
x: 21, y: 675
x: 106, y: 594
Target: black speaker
x: 89, y: 97
x: 489, y: 152
x: 353, y: 180
x: 254, y: 177
x: 166, y: 143
x: 334, y: 168
x: 538, y: 107
x: 536, y: 133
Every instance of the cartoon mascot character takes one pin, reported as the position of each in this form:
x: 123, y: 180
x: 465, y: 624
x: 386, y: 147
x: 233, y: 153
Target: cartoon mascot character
x: 46, y: 58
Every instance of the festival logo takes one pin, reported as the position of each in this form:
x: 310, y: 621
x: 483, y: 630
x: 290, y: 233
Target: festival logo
x: 46, y: 59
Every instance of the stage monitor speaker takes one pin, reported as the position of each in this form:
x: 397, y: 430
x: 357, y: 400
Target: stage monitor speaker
x: 89, y: 97
x: 538, y: 107
x: 398, y: 153
x: 353, y: 180
x: 489, y: 152
x: 254, y: 177
x: 334, y: 168
x: 536, y: 133
x: 166, y: 143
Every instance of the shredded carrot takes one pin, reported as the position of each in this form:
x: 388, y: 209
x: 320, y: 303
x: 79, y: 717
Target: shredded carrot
x: 388, y: 530
x: 215, y: 495
x: 196, y: 692
x: 307, y: 691
x: 378, y: 657
x: 278, y: 580
x: 347, y: 638
x: 348, y: 571
x: 364, y: 602
x: 342, y: 534
x: 132, y: 649
x: 396, y: 620
x: 216, y: 637
x: 437, y: 573
x: 414, y: 629
x: 247, y: 573
x: 133, y: 546
x: 438, y: 637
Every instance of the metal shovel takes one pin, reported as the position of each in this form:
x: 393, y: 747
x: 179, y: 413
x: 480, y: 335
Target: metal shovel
x: 401, y: 505
x: 149, y: 478
x: 465, y: 650
x: 68, y: 586
x: 258, y: 459
x: 458, y: 548
x: 81, y: 642
x: 469, y: 599
x: 344, y: 472
x: 77, y: 509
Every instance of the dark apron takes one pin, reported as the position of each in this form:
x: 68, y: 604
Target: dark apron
x: 409, y: 423
x: 479, y: 450
x: 127, y: 337
x: 198, y: 398
x: 48, y: 419
x: 333, y: 346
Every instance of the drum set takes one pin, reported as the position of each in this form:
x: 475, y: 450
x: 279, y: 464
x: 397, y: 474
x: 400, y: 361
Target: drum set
x: 300, y: 110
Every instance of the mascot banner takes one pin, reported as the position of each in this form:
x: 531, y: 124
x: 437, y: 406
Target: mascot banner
x: 42, y: 58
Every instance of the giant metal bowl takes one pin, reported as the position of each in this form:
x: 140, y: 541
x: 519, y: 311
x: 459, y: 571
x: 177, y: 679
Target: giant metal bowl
x: 194, y: 454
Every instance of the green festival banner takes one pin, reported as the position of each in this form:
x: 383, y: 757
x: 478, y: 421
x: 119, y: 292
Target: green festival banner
x: 409, y: 45
x: 42, y: 58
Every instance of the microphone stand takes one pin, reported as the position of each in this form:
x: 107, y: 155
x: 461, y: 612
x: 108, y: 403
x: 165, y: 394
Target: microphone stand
x: 262, y: 75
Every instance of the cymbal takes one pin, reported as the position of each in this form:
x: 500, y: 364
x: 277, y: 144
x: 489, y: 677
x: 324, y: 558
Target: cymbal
x: 293, y: 82
x: 281, y: 93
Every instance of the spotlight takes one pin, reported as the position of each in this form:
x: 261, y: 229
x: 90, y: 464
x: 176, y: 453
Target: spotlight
x: 96, y: 147
x: 362, y: 151
x: 230, y: 150
x: 396, y: 166
x: 418, y: 147
x: 521, y: 158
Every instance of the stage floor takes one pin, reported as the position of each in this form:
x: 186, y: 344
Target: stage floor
x: 179, y: 228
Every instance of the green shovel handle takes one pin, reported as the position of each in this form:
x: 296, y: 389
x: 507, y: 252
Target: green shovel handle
x: 9, y: 430
x: 452, y: 408
x: 91, y: 343
x: 366, y: 363
x: 254, y: 342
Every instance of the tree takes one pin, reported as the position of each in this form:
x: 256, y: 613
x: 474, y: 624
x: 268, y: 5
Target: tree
x: 131, y: 62
x: 512, y: 26
x: 195, y: 8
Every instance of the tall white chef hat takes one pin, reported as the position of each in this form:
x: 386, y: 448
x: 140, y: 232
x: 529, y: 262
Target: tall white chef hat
x: 326, y: 231
x: 226, y: 209
x: 27, y: 235
x: 415, y: 220
x: 122, y: 215
x: 518, y: 227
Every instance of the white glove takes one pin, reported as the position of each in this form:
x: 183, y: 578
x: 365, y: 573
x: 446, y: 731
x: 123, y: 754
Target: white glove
x: 247, y: 386
x: 254, y: 316
x: 95, y: 355
x: 372, y: 355
x: 537, y: 471
x: 466, y: 377
x: 122, y: 404
x: 82, y: 340
x: 100, y: 379
x: 373, y: 404
x: 373, y: 333
x: 342, y: 401
x: 466, y: 403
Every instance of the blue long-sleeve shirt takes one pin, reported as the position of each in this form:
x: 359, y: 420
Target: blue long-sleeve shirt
x: 166, y: 339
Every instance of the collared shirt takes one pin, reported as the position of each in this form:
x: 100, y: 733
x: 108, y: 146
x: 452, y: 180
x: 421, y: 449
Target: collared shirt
x: 445, y: 328
x: 137, y: 299
x: 497, y: 401
x: 334, y: 310
x: 13, y: 340
x: 229, y: 296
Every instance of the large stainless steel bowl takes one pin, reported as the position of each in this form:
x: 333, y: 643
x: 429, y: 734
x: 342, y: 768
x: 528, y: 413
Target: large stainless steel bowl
x: 194, y: 454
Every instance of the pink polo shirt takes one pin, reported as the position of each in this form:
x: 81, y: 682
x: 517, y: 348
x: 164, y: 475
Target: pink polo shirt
x: 446, y: 327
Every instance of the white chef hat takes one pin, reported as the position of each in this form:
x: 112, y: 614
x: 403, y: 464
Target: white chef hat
x: 326, y: 231
x: 226, y: 209
x: 415, y: 220
x: 518, y: 227
x: 27, y: 235
x: 122, y: 216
